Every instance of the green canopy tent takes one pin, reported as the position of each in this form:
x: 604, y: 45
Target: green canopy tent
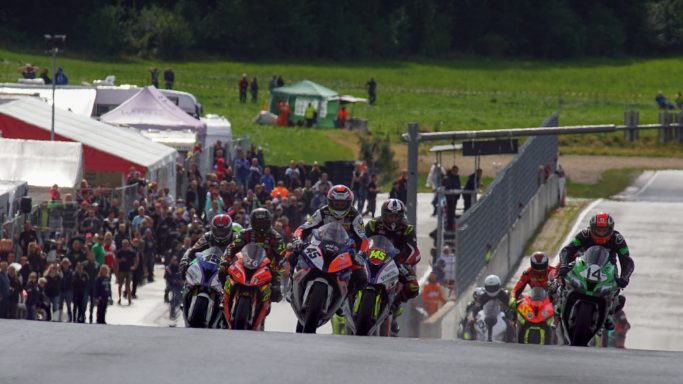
x: 298, y: 95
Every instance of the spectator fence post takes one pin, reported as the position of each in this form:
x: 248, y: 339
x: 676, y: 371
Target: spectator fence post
x: 665, y: 119
x: 413, y: 145
x: 631, y: 121
x: 680, y: 127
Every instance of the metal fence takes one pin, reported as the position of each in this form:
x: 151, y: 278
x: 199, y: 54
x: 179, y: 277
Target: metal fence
x: 483, y: 226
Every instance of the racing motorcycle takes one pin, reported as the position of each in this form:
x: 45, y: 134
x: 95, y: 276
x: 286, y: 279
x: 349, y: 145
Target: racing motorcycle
x: 534, y: 318
x: 587, y: 296
x: 320, y: 282
x: 203, y: 290
x: 247, y: 290
x: 371, y: 313
x: 490, y: 324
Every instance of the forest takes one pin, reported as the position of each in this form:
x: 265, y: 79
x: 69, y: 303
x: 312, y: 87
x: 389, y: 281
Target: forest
x: 348, y: 29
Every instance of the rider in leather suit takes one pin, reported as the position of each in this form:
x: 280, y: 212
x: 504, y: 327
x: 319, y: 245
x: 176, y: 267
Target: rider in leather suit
x: 222, y: 233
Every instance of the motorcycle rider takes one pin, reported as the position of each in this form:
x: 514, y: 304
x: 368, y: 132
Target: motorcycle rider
x: 601, y: 232
x: 222, y: 233
x: 492, y: 291
x: 394, y: 225
x: 262, y: 233
x: 539, y: 274
x: 338, y: 209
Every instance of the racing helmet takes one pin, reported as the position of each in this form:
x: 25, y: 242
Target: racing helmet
x: 492, y: 285
x: 261, y: 220
x: 339, y: 200
x: 221, y: 228
x: 539, y: 262
x: 393, y: 211
x: 601, y: 227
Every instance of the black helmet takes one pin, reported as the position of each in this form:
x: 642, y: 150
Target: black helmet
x: 260, y: 220
x: 539, y: 262
x: 393, y: 211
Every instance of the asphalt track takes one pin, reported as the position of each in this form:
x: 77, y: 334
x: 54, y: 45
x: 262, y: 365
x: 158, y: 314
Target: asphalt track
x: 35, y: 352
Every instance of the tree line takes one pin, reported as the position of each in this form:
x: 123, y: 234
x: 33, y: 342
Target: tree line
x: 350, y: 29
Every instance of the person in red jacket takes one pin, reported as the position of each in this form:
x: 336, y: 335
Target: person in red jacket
x: 539, y: 274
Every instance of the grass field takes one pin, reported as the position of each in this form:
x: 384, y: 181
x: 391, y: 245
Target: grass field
x: 611, y: 182
x: 457, y: 94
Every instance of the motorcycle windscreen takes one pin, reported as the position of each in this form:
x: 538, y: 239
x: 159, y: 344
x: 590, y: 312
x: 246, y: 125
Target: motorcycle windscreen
x: 252, y: 256
x: 212, y: 255
x: 380, y: 250
x: 538, y: 294
x: 333, y: 233
x: 596, y: 255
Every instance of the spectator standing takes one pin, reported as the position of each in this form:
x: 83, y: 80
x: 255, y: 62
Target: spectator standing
x: 242, y: 85
x: 342, y: 115
x: 137, y: 269
x: 60, y: 77
x: 125, y: 257
x: 4, y: 290
x: 435, y: 180
x: 169, y: 78
x: 33, y: 295
x: 372, y: 195
x: 91, y: 268
x: 44, y: 74
x: 36, y: 257
x: 154, y: 76
x: 174, y: 281
x: 679, y: 101
x: 28, y: 235
x: 254, y: 177
x: 291, y: 173
x: 66, y: 290
x: 450, y: 182
x: 53, y: 282
x: 371, y: 86
x: 28, y: 71
x: 149, y: 248
x: 323, y: 183
x: 432, y: 295
x: 283, y: 113
x: 80, y: 288
x: 253, y: 88
x: 399, y: 189
x: 91, y: 224
x: 267, y: 180
x: 315, y: 173
x: 272, y: 84
x: 280, y: 82
x: 309, y: 115
x: 241, y: 167
x: 472, y: 185
x: 102, y: 294
x: 76, y: 253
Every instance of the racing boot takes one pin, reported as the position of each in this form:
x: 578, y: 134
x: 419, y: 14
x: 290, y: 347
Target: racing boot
x: 396, y: 311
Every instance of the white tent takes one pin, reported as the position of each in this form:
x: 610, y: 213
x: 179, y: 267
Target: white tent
x: 150, y: 109
x: 42, y: 163
x: 105, y: 148
x: 76, y: 100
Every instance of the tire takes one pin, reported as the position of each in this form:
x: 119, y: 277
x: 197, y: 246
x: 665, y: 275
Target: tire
x: 198, y: 315
x: 242, y: 312
x: 364, y: 317
x: 581, y: 333
x: 316, y: 302
x: 534, y: 337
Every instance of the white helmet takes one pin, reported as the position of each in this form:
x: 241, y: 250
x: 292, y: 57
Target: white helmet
x: 339, y: 200
x: 492, y: 285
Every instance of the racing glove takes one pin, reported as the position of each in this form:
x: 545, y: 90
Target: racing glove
x: 297, y: 244
x: 622, y: 282
x: 563, y: 271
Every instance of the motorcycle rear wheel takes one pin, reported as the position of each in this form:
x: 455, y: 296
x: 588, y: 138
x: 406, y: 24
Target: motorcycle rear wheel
x: 316, y: 301
x: 198, y: 315
x: 242, y: 310
x: 581, y: 333
x: 364, y: 317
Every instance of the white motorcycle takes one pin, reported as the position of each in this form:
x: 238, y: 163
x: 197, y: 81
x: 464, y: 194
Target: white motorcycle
x: 203, y: 291
x: 490, y: 324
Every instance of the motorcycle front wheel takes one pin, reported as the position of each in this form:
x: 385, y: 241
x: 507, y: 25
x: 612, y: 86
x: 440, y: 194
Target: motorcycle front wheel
x: 198, y: 315
x: 316, y: 302
x: 582, y: 334
x: 242, y: 311
x: 364, y: 316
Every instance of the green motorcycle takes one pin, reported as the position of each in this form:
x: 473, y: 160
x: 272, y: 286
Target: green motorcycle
x: 587, y: 297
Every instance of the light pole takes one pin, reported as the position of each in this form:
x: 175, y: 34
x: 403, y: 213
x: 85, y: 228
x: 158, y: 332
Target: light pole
x: 54, y: 43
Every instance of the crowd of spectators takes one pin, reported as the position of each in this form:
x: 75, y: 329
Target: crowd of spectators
x: 57, y: 267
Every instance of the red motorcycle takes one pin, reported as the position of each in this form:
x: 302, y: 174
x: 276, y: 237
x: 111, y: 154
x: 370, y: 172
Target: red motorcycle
x: 246, y: 300
x: 534, y: 318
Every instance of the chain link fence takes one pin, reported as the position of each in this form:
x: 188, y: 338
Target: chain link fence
x: 481, y: 228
